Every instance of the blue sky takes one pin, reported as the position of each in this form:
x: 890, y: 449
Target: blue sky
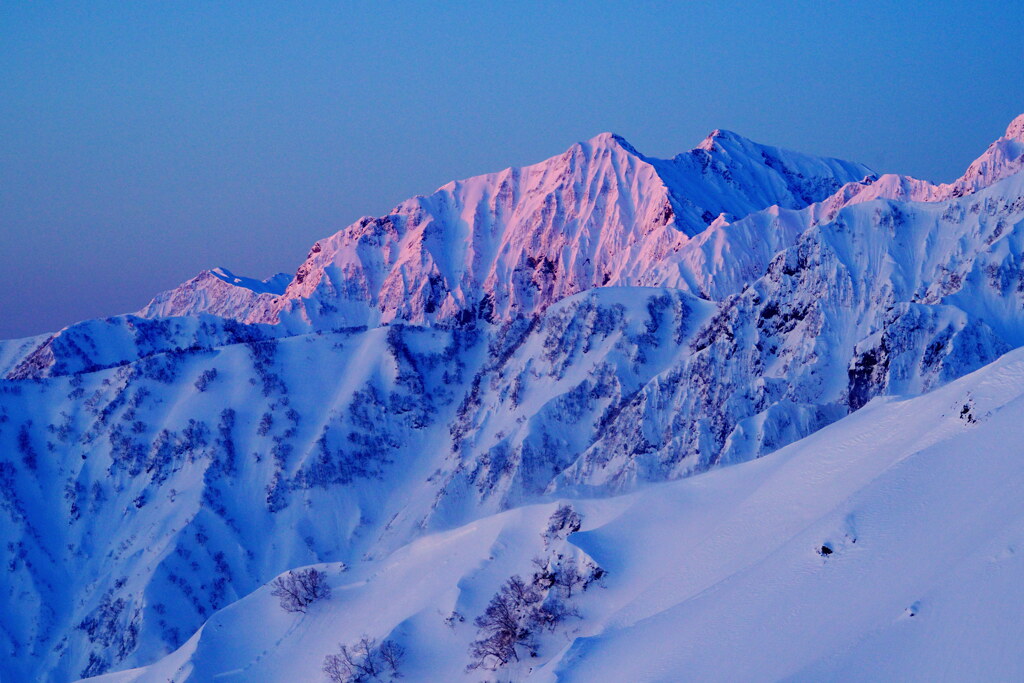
x: 143, y: 142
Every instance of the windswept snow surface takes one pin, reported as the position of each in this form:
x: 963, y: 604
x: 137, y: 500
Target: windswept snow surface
x: 719, y: 576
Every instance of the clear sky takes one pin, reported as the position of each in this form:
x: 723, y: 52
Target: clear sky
x: 141, y: 142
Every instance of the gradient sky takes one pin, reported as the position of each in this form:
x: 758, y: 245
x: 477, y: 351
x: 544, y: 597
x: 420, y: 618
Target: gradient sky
x: 143, y: 142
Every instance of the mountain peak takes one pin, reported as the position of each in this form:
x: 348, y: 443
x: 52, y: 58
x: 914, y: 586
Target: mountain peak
x: 1016, y: 129
x: 272, y: 285
x: 718, y: 135
x: 217, y: 291
x: 1003, y: 158
x: 609, y: 140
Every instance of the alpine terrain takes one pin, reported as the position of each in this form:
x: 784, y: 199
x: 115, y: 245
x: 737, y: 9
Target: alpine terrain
x: 485, y: 437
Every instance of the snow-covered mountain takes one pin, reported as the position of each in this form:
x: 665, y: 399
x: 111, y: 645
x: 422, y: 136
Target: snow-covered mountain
x: 569, y: 330
x: 509, y: 243
x: 513, y: 242
x: 217, y: 292
x: 884, y: 547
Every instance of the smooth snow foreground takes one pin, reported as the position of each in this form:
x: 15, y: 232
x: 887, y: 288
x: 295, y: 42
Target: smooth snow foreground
x: 722, y: 576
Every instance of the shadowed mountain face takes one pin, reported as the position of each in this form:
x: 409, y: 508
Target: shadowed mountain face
x: 577, y: 327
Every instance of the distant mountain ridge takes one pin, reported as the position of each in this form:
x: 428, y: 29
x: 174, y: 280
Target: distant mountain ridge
x: 615, y: 239
x: 513, y: 242
x: 216, y: 292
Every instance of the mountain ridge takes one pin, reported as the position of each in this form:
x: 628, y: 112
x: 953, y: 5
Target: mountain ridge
x: 1004, y: 157
x: 693, y: 557
x: 667, y: 193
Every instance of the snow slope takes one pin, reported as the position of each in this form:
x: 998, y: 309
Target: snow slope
x: 720, y: 576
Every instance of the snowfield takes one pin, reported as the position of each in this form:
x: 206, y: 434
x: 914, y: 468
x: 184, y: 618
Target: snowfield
x: 742, y: 414
x: 719, y: 576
